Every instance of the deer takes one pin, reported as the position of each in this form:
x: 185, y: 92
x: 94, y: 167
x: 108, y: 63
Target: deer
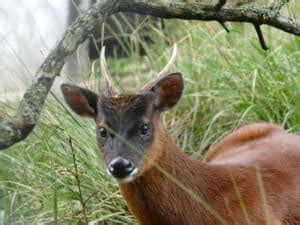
x: 251, y: 176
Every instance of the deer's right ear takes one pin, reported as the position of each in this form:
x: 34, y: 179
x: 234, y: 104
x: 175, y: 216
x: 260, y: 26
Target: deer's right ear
x: 81, y: 101
x: 168, y: 91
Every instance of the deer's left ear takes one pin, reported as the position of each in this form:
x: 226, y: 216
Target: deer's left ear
x: 168, y: 91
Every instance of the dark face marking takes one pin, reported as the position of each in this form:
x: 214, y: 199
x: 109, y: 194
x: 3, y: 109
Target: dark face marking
x: 127, y: 121
x: 125, y: 124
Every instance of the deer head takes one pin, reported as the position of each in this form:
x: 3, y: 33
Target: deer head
x: 128, y: 126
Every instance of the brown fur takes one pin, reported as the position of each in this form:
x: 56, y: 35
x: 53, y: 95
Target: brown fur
x: 155, y: 199
x: 153, y: 154
x: 120, y: 101
x: 229, y: 145
x: 252, y: 176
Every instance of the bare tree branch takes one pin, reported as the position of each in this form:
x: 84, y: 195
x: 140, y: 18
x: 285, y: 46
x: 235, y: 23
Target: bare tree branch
x: 260, y: 37
x: 18, y: 128
x: 218, y: 6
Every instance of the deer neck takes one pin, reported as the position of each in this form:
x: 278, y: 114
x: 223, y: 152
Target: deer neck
x: 154, y: 198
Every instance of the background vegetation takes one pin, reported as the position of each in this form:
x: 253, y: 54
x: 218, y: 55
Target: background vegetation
x: 229, y: 82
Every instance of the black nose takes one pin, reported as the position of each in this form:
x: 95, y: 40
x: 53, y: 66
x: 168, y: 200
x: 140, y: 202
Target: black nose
x: 120, y: 167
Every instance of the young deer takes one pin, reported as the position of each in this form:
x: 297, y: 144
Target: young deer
x: 250, y: 177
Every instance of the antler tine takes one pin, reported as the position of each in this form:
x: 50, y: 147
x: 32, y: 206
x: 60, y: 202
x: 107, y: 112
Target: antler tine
x: 163, y: 72
x: 109, y: 87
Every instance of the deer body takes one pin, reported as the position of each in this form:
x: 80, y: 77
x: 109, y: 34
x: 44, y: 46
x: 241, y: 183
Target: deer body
x: 252, y: 176
x: 154, y: 199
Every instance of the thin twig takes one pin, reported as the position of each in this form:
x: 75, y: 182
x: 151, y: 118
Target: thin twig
x: 55, y: 222
x: 263, y: 194
x: 76, y: 175
x: 239, y: 196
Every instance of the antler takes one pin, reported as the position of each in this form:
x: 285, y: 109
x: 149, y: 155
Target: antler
x: 109, y: 88
x: 162, y: 73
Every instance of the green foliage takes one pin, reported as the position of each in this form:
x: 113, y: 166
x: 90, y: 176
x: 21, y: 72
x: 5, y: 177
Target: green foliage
x: 229, y: 82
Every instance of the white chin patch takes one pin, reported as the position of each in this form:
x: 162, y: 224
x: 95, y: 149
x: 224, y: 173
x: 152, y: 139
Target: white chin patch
x: 127, y: 179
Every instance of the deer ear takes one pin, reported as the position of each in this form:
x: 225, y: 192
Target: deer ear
x: 81, y: 101
x: 168, y: 91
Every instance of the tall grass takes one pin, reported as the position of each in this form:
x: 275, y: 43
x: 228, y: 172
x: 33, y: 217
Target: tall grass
x: 229, y: 82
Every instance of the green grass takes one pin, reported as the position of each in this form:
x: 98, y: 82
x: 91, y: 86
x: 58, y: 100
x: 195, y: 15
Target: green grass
x: 229, y: 82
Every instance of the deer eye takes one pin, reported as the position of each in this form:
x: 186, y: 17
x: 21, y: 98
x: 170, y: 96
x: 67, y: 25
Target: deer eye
x: 144, y: 129
x: 102, y: 132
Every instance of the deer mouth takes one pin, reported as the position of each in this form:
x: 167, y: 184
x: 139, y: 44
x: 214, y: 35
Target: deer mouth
x: 131, y: 177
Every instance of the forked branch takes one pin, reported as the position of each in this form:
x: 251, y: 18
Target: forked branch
x: 260, y: 36
x: 220, y: 4
x: 18, y: 128
x: 278, y: 4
